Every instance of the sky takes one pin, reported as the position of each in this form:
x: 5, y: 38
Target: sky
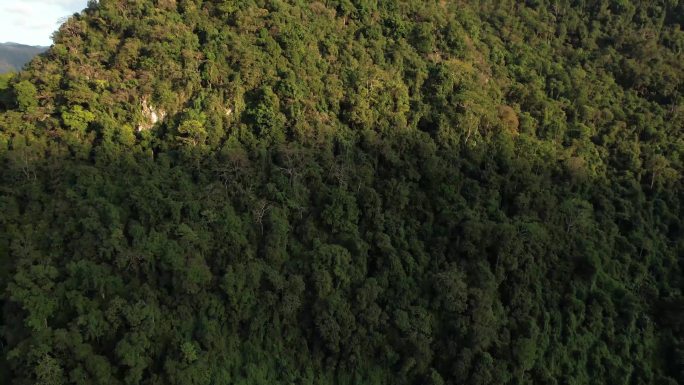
x: 33, y: 21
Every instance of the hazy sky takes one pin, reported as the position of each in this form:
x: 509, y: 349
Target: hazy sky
x: 33, y: 21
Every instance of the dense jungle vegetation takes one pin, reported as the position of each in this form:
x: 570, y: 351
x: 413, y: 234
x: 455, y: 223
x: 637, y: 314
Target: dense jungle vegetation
x: 346, y: 192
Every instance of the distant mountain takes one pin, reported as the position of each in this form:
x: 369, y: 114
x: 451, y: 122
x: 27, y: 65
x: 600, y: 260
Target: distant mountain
x: 13, y: 56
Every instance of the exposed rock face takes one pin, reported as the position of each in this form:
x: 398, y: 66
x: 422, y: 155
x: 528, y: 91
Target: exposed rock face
x: 151, y: 116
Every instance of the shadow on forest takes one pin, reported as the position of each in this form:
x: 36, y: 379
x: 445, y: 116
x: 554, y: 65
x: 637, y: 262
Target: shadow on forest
x: 385, y: 257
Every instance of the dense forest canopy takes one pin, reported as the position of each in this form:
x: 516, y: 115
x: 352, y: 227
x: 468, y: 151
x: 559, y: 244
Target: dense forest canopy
x: 346, y: 192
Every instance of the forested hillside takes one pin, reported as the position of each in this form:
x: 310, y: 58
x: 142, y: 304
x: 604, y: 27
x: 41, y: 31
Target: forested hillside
x: 13, y: 56
x: 347, y: 192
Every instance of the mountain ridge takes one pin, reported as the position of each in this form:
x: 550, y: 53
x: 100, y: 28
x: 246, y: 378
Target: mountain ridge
x: 13, y: 56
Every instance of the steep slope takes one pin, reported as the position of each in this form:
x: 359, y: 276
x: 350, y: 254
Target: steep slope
x: 346, y: 192
x: 13, y: 56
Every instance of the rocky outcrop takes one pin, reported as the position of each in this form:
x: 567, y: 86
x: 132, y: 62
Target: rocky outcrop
x: 151, y: 116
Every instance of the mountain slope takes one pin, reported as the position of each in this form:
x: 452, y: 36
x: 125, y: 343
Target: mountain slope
x: 13, y: 56
x: 344, y: 192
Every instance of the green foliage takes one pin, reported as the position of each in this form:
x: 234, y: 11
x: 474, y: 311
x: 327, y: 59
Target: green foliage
x: 25, y: 95
x: 77, y: 118
x: 6, y: 97
x: 346, y: 192
x: 4, y: 80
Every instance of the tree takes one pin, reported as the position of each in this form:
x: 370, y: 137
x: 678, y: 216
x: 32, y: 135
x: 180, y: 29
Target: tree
x: 660, y: 169
x: 26, y: 95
